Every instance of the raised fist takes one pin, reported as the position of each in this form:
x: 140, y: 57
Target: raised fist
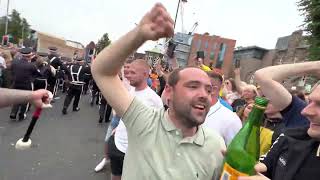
x: 156, y: 24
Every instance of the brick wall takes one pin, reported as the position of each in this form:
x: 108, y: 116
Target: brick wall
x: 211, y: 46
x: 45, y: 41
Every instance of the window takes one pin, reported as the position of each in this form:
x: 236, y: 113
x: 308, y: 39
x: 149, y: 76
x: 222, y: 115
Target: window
x: 212, y: 55
x: 180, y: 40
x: 214, y: 46
x: 206, y: 45
x: 199, y: 44
x: 221, y: 54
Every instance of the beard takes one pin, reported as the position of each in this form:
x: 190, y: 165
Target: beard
x: 187, y: 114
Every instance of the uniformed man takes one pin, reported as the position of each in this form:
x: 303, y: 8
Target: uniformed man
x: 45, y: 69
x: 95, y: 94
x: 54, y: 61
x: 87, y: 79
x: 104, y: 110
x: 76, y: 79
x: 23, y: 74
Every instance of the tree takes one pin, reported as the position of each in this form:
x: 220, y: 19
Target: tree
x: 103, y: 42
x: 18, y: 27
x: 311, y: 11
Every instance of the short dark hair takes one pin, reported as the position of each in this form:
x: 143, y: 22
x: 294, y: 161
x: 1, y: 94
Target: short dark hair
x: 215, y: 75
x: 174, y: 77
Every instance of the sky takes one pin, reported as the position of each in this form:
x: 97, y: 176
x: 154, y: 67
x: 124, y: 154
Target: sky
x: 249, y: 22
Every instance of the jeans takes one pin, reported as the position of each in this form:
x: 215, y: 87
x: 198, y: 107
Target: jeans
x: 114, y: 123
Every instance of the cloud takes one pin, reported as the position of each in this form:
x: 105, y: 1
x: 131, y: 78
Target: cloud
x: 250, y: 22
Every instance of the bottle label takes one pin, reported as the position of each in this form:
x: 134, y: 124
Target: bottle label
x: 230, y: 173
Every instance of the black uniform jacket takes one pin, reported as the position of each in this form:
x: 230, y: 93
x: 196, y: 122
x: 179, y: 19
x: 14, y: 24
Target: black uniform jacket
x: 294, y: 155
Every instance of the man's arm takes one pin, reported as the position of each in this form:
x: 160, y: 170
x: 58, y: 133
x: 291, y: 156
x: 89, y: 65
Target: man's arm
x: 105, y: 68
x: 268, y: 78
x: 237, y: 79
x: 12, y: 96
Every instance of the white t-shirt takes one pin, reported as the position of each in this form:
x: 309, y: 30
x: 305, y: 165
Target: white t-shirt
x: 223, y: 121
x: 127, y: 85
x: 3, y: 62
x: 149, y: 98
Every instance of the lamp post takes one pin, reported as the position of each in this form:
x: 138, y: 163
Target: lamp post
x: 175, y: 19
x: 7, y: 19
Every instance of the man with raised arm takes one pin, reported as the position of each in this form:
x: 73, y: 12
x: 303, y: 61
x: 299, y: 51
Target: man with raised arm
x: 295, y: 153
x: 289, y: 106
x: 161, y: 144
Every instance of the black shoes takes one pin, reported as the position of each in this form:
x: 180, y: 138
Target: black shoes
x: 22, y: 117
x: 13, y: 117
x: 100, y: 119
x: 64, y: 111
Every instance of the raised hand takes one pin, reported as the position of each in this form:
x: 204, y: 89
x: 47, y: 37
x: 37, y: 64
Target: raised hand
x: 156, y: 24
x: 237, y: 71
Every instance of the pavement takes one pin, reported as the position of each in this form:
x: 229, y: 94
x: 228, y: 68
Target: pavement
x: 64, y: 147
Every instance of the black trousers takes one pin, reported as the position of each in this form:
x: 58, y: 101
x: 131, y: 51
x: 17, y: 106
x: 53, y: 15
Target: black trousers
x: 23, y: 107
x: 95, y: 93
x: 40, y: 84
x: 105, y: 109
x: 116, y: 157
x: 52, y: 86
x: 86, y: 85
x: 74, y: 91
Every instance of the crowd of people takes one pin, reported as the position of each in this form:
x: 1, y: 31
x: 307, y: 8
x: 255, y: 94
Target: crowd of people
x: 179, y: 125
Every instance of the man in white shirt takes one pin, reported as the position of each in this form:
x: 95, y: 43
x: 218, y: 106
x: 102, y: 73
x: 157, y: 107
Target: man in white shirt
x: 2, y: 67
x: 118, y: 144
x: 2, y: 63
x: 219, y: 118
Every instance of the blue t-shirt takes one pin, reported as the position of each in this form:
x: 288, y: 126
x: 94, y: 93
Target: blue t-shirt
x: 225, y: 104
x: 292, y: 116
x: 149, y: 82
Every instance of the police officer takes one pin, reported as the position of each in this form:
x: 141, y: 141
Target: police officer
x: 76, y: 79
x: 23, y: 73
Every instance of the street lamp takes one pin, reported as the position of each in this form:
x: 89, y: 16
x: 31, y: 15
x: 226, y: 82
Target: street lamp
x: 7, y: 19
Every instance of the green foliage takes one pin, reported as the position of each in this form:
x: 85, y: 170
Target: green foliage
x: 17, y: 26
x: 311, y: 11
x: 103, y: 42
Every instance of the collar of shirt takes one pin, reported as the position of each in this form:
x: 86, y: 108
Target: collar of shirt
x: 198, y: 138
x: 214, y: 108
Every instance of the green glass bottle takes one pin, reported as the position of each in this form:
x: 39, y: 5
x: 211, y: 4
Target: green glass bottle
x: 243, y: 151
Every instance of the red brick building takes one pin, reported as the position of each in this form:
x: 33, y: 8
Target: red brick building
x: 218, y: 51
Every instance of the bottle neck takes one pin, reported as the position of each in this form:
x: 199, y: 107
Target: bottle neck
x: 256, y: 115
